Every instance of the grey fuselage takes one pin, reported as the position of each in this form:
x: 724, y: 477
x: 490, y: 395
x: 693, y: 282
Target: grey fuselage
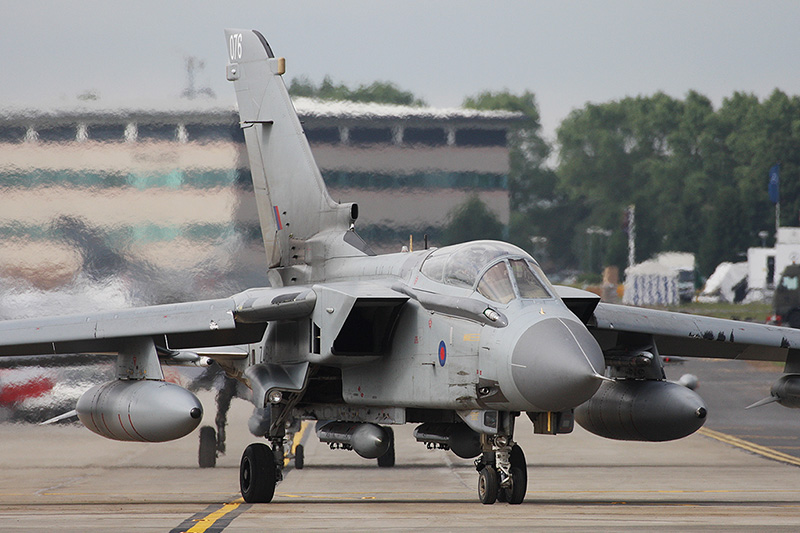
x: 440, y: 355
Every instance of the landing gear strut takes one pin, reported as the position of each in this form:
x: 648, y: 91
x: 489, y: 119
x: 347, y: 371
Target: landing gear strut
x: 502, y: 471
x: 262, y: 467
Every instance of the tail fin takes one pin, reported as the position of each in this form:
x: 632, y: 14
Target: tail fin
x: 293, y: 203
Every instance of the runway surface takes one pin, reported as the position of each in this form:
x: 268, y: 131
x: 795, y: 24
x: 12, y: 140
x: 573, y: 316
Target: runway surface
x: 66, y: 478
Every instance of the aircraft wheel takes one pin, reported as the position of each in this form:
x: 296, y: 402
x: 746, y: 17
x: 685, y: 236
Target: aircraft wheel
x: 487, y: 485
x: 501, y: 495
x: 257, y: 474
x: 519, y: 474
x: 207, y: 454
x: 387, y: 459
x: 299, y: 460
x: 519, y: 477
x: 515, y: 494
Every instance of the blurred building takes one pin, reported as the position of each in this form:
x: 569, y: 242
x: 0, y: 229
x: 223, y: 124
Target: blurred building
x: 162, y: 196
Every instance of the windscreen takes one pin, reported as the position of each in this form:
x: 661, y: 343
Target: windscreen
x: 527, y: 282
x: 496, y: 284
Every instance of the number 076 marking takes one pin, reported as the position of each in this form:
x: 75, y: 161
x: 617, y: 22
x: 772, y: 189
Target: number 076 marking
x: 235, y: 46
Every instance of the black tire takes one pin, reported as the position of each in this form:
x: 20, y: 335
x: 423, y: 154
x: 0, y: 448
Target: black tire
x: 299, y: 459
x: 207, y: 453
x: 387, y: 459
x: 501, y: 494
x: 487, y: 485
x: 517, y: 456
x: 515, y: 494
x: 257, y: 474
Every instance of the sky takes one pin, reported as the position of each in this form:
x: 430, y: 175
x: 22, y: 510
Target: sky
x: 566, y: 52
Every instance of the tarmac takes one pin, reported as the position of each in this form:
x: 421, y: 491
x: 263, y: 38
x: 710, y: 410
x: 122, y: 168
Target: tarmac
x: 66, y: 478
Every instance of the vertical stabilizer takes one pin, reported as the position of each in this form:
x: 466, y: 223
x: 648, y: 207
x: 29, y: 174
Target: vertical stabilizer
x: 293, y: 203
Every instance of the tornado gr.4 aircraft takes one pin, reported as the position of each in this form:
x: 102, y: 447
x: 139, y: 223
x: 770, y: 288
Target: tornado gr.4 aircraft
x: 460, y: 340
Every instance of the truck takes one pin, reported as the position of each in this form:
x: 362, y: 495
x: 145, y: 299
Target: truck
x: 786, y: 302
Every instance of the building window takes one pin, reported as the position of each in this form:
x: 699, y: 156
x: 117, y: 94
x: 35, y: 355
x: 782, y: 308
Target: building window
x: 106, y: 132
x: 12, y: 134
x: 157, y: 132
x: 479, y: 137
x: 323, y: 135
x: 58, y: 134
x: 370, y: 135
x: 425, y: 136
x: 208, y: 133
x: 771, y: 271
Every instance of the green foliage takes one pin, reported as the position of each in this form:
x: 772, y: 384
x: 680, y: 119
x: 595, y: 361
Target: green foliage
x: 472, y: 221
x: 540, y: 212
x: 697, y: 175
x: 504, y: 100
x: 383, y: 92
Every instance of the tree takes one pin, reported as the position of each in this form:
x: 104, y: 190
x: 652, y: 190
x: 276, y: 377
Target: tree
x: 472, y: 221
x: 539, y: 211
x: 696, y: 175
x: 383, y: 92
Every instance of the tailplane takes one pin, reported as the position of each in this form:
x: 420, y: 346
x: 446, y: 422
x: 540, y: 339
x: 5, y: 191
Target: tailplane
x: 293, y: 203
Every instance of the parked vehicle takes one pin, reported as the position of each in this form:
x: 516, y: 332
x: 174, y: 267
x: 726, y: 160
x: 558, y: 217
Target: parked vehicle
x: 786, y: 302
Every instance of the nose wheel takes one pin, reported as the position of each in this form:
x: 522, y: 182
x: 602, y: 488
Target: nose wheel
x: 258, y: 474
x: 502, y: 475
x: 487, y: 485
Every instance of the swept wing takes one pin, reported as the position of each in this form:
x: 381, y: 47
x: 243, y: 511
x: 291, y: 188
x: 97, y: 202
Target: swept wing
x: 239, y: 319
x: 696, y: 336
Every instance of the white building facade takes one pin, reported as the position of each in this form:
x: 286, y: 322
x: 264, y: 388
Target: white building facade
x: 765, y: 265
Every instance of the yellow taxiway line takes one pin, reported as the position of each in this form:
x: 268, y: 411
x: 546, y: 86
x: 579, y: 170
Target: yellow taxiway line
x: 763, y: 451
x: 208, y: 521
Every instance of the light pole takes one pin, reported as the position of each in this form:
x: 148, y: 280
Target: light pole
x: 763, y: 234
x: 591, y: 231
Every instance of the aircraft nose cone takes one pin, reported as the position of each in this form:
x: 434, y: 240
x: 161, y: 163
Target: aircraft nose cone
x: 554, y: 364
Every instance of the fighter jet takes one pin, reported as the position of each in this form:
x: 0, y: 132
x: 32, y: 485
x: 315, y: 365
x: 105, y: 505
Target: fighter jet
x: 460, y: 340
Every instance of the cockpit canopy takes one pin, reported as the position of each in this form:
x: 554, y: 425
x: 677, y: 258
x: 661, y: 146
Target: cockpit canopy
x: 497, y: 270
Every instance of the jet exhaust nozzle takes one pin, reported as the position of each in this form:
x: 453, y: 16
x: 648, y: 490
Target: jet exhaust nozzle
x: 458, y: 438
x: 140, y: 410
x: 648, y: 410
x: 370, y: 441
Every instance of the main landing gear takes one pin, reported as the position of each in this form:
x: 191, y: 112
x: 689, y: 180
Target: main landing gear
x: 212, y: 443
x: 502, y: 471
x: 261, y: 467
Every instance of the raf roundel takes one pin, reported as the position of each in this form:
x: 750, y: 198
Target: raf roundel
x: 442, y: 353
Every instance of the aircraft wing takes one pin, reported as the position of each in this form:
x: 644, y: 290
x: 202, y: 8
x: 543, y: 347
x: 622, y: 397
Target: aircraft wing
x: 239, y: 319
x: 694, y: 336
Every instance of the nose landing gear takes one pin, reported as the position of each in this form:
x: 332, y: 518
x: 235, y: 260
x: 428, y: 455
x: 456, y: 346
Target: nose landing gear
x: 258, y: 474
x: 502, y: 471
